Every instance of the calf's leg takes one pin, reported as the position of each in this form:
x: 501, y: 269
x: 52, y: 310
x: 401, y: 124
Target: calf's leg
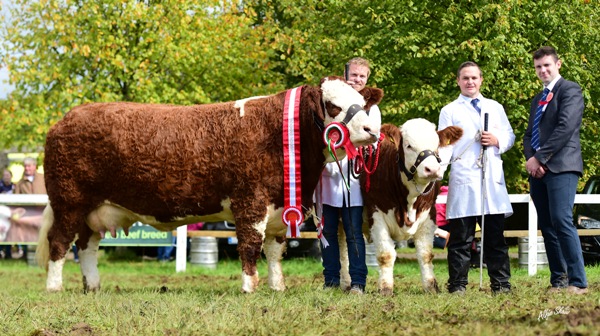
x: 274, y: 248
x: 424, y: 248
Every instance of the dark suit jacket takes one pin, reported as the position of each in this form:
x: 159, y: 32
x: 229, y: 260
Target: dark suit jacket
x: 560, y: 149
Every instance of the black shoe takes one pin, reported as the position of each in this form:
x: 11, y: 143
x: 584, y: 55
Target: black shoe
x: 501, y: 290
x: 331, y: 286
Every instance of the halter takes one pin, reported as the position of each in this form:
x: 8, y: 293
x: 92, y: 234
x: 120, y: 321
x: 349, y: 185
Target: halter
x: 410, y: 174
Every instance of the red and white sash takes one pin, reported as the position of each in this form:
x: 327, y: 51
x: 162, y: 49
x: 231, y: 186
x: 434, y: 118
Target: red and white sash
x: 292, y: 190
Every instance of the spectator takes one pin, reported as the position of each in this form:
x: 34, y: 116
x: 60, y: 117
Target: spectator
x: 6, y: 186
x: 337, y: 201
x: 553, y: 152
x: 465, y: 194
x: 32, y: 181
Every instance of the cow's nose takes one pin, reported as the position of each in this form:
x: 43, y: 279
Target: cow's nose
x: 431, y: 171
x: 368, y: 130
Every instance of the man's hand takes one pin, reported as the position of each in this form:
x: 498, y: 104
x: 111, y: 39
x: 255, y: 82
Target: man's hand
x: 488, y: 139
x: 535, y: 168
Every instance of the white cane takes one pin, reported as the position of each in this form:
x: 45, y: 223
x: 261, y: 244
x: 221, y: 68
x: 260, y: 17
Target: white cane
x: 483, y: 198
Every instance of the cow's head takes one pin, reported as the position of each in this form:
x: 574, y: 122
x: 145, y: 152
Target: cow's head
x: 345, y: 105
x: 420, y: 144
x: 5, y: 215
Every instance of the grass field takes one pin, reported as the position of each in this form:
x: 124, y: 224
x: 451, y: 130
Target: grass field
x: 149, y: 298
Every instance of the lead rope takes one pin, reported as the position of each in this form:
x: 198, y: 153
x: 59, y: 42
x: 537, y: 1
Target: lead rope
x: 479, y: 161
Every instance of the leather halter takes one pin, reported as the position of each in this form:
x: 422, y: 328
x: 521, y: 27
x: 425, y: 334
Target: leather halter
x: 352, y: 111
x: 410, y: 174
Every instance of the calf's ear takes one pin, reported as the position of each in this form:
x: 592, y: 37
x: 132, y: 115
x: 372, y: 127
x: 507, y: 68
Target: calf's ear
x: 372, y: 96
x: 450, y: 135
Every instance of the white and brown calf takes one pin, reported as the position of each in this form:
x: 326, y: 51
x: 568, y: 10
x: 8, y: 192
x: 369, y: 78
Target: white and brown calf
x: 400, y: 203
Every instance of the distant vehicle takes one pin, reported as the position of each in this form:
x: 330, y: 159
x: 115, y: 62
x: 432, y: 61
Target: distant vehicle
x: 295, y: 247
x: 587, y: 217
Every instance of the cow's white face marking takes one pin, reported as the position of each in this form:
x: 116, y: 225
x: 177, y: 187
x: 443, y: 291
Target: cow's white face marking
x: 361, y: 127
x: 419, y: 135
x: 5, y: 214
x: 241, y: 103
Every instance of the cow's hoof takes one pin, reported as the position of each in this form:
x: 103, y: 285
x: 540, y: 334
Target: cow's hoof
x: 432, y: 287
x: 54, y: 289
x: 279, y: 288
x: 87, y: 289
x: 386, y: 291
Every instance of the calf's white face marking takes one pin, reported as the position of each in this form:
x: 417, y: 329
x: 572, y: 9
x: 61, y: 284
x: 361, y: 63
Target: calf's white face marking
x: 419, y: 135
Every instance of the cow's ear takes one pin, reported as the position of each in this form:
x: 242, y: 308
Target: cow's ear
x: 311, y: 97
x: 392, y: 134
x: 450, y: 135
x: 372, y: 96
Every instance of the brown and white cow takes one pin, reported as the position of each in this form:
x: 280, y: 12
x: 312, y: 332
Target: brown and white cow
x: 400, y: 202
x: 108, y: 165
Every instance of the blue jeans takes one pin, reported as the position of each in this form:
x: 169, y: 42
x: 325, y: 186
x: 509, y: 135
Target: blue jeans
x: 554, y: 196
x: 165, y: 252
x: 352, y: 222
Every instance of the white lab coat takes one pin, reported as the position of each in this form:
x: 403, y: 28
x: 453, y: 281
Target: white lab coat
x: 464, y: 186
x: 334, y: 190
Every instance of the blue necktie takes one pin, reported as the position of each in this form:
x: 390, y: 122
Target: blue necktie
x: 474, y: 103
x: 535, y: 130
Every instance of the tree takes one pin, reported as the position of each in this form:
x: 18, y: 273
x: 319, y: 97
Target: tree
x: 65, y: 53
x: 416, y: 47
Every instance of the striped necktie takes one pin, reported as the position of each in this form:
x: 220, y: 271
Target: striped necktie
x: 535, y: 130
x: 474, y: 103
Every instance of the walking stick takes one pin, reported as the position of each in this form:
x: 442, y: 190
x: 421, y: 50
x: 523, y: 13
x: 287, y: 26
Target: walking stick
x: 483, y: 197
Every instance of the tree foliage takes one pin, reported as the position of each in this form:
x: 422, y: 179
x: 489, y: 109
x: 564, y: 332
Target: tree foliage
x: 416, y: 47
x: 63, y: 53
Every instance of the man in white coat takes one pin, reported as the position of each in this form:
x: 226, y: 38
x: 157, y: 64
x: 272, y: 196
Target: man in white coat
x: 465, y: 184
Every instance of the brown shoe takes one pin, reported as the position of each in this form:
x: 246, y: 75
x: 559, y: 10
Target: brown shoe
x: 554, y: 290
x: 576, y: 290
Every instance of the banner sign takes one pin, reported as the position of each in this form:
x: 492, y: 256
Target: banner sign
x: 139, y: 235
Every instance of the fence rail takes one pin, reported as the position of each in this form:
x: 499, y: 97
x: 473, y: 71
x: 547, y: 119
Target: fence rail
x: 532, y: 233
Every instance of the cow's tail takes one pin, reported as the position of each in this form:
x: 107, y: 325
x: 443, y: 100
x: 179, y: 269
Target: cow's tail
x: 42, y: 252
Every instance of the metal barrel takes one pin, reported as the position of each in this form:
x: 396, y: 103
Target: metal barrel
x: 371, y: 255
x: 542, y: 259
x: 204, y: 252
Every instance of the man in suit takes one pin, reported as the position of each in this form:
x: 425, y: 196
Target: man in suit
x: 554, y: 163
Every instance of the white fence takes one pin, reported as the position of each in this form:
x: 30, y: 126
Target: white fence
x: 180, y: 255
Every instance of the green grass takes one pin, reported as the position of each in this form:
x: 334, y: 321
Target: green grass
x: 149, y: 298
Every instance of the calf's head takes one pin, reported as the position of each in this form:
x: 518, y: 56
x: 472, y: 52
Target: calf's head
x: 420, y: 144
x: 345, y: 105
